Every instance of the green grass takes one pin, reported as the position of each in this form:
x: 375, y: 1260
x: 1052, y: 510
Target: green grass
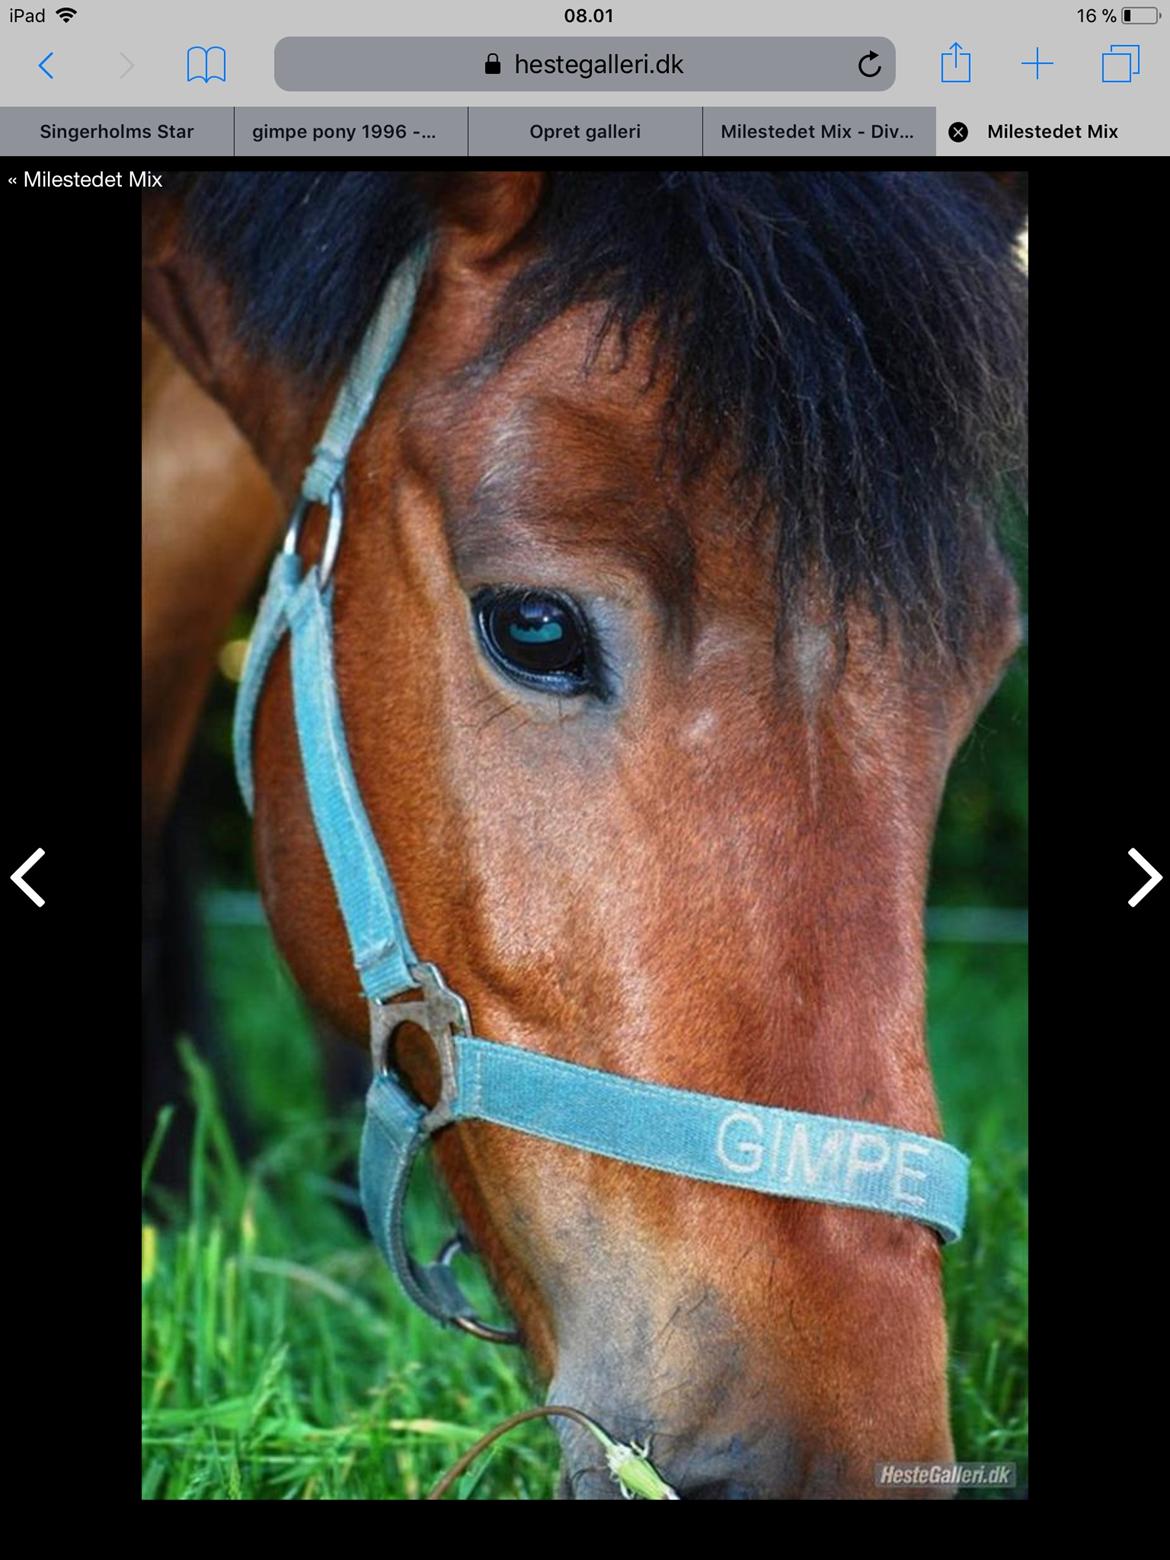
x: 978, y: 1016
x: 281, y: 1363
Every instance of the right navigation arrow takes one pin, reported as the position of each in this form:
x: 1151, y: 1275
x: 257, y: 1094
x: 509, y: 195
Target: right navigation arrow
x: 1155, y: 877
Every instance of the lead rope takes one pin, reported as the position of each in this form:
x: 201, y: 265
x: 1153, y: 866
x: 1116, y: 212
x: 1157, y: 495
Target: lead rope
x: 629, y: 1464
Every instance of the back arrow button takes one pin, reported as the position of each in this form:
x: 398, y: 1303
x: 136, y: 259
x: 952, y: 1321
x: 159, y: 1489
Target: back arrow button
x: 41, y: 66
x: 18, y: 878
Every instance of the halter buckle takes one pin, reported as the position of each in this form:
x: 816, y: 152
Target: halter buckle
x: 443, y: 1014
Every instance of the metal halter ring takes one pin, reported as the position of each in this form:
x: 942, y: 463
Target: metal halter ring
x: 472, y: 1324
x: 332, y: 536
x: 441, y: 1013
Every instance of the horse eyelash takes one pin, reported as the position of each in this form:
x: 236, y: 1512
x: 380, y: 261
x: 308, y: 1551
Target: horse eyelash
x: 606, y: 676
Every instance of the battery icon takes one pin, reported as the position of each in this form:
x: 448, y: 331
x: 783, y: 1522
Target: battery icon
x: 1140, y: 13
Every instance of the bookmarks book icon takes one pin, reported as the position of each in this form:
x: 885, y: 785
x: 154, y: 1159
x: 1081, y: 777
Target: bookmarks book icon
x: 206, y: 64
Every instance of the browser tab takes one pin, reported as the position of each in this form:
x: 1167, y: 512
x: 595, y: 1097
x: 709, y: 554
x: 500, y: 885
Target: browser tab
x: 351, y: 132
x: 810, y: 132
x: 583, y: 132
x: 129, y: 132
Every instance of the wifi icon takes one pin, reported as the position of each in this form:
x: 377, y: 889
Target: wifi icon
x: 67, y: 13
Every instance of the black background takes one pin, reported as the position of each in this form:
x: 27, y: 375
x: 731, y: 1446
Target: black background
x: 70, y: 621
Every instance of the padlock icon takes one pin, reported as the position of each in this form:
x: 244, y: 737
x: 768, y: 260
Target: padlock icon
x: 491, y: 66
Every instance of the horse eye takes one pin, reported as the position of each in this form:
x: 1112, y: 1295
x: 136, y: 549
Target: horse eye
x: 538, y: 638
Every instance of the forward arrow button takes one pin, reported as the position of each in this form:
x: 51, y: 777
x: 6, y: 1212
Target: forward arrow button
x: 1155, y: 878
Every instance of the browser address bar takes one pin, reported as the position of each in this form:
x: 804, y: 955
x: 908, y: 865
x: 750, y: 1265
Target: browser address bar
x: 852, y: 64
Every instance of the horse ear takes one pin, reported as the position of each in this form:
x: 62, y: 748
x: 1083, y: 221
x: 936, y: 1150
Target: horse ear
x: 1006, y: 193
x: 481, y: 214
x: 190, y: 306
x: 180, y: 296
x: 1015, y: 188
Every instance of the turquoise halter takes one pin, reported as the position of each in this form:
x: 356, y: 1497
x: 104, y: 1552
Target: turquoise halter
x: 762, y: 1148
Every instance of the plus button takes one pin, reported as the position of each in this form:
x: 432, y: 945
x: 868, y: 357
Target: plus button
x: 1035, y: 64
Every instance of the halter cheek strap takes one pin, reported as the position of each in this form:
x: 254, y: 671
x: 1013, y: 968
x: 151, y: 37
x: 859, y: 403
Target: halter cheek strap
x: 760, y: 1148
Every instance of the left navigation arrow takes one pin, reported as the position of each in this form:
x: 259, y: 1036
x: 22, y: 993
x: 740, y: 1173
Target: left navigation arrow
x: 41, y: 65
x: 18, y: 878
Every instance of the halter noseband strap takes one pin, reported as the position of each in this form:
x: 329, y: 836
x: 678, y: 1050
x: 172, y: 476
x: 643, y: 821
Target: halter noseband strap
x: 761, y: 1148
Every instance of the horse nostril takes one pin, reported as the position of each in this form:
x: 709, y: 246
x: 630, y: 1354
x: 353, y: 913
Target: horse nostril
x: 718, y: 1489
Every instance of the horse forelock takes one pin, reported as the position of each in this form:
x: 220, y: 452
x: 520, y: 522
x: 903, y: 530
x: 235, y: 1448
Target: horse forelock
x: 857, y: 340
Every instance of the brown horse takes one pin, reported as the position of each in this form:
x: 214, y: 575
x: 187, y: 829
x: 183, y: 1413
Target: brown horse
x: 743, y: 437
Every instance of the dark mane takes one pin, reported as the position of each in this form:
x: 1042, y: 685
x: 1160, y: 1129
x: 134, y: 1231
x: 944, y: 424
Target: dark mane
x: 858, y: 339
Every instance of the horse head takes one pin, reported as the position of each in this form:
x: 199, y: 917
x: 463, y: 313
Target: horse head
x: 669, y: 588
